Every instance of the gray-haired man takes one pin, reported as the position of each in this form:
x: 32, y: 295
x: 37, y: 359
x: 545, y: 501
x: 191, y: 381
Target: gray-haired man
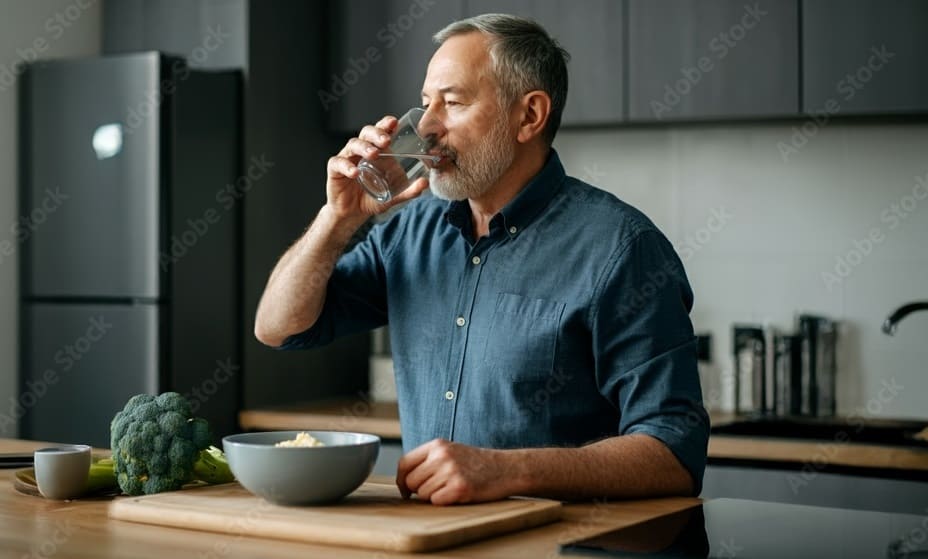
x: 539, y: 326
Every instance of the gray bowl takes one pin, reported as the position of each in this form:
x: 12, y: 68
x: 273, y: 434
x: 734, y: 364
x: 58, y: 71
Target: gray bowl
x: 302, y: 475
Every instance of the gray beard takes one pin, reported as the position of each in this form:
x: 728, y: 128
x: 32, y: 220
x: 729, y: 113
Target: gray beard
x: 477, y: 171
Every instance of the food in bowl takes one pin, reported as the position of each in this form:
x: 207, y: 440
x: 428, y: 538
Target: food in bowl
x: 301, y: 475
x: 302, y: 439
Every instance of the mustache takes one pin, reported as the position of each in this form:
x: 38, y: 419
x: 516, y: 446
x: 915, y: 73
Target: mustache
x: 445, y: 151
x: 449, y: 152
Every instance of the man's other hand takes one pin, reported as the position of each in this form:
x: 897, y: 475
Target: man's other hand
x: 446, y: 473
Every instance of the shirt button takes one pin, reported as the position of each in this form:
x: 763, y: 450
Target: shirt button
x: 512, y: 230
x: 475, y: 260
x: 460, y: 321
x: 449, y: 395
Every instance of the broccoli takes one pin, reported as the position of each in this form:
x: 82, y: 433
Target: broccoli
x: 159, y: 446
x: 102, y: 476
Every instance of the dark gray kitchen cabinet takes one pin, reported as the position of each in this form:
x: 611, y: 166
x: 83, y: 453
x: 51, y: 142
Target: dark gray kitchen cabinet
x: 379, y: 52
x: 806, y: 485
x: 725, y: 59
x: 593, y: 33
x: 864, y: 56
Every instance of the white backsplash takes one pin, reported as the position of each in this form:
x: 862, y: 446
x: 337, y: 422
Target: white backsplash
x: 757, y: 232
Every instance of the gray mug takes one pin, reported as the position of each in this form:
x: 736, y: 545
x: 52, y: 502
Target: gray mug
x: 61, y: 472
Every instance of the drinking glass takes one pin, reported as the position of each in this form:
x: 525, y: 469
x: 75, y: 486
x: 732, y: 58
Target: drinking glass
x: 406, y: 159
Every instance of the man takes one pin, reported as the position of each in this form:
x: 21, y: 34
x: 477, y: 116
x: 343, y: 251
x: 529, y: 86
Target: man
x: 539, y: 326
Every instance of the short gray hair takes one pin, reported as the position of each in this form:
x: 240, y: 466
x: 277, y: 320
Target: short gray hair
x: 524, y: 58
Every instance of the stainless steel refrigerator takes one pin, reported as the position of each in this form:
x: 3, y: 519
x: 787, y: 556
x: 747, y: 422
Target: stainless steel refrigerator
x: 129, y: 230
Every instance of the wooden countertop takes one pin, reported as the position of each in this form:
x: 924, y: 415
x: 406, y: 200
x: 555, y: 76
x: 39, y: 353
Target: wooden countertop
x: 379, y: 418
x: 382, y: 419
x: 818, y: 454
x: 32, y: 526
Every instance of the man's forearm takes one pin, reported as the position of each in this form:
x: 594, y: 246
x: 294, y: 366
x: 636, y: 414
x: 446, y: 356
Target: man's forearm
x: 295, y: 291
x: 629, y: 466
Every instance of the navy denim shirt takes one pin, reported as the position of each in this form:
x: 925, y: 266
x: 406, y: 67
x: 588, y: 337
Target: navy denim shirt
x: 568, y: 323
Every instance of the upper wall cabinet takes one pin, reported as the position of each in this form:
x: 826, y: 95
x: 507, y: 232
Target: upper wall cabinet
x: 692, y: 59
x: 592, y: 31
x: 655, y: 60
x: 864, y: 56
x: 379, y: 54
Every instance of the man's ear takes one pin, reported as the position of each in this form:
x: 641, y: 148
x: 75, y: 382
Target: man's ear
x: 534, y: 110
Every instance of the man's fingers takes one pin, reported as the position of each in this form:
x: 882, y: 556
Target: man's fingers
x: 446, y: 495
x: 341, y: 167
x: 360, y: 148
x: 401, y: 482
x: 421, y: 474
x: 408, y: 463
x: 430, y: 485
x: 416, y: 456
x: 375, y: 135
x: 387, y: 123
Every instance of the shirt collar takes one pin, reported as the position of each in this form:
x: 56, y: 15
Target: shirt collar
x: 527, y: 204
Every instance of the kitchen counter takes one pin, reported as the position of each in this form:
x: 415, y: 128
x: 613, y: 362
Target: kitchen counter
x: 32, y: 526
x: 379, y: 418
x: 382, y: 419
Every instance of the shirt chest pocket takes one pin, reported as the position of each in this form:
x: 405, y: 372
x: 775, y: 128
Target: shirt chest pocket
x: 522, y: 337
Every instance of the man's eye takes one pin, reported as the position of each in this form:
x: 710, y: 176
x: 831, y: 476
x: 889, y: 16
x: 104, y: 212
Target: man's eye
x: 452, y: 103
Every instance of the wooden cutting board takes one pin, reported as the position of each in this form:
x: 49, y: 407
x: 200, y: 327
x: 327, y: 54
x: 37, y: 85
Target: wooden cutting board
x: 374, y: 517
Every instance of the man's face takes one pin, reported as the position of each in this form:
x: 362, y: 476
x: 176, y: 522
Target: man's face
x: 475, y: 138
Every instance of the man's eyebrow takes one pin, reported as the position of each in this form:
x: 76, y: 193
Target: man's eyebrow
x: 446, y: 89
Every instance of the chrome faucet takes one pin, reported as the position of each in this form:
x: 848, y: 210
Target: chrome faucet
x: 890, y: 324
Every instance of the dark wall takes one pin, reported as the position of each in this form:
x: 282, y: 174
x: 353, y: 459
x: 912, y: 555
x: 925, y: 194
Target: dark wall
x: 286, y: 121
x: 280, y: 47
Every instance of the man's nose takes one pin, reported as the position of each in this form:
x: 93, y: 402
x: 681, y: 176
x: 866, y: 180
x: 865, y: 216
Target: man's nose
x: 431, y: 127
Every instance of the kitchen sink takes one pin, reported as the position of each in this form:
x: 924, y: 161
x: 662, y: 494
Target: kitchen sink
x: 868, y: 431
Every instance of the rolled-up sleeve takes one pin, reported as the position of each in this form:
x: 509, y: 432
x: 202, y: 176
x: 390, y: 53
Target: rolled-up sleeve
x: 645, y: 350
x: 355, y: 297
